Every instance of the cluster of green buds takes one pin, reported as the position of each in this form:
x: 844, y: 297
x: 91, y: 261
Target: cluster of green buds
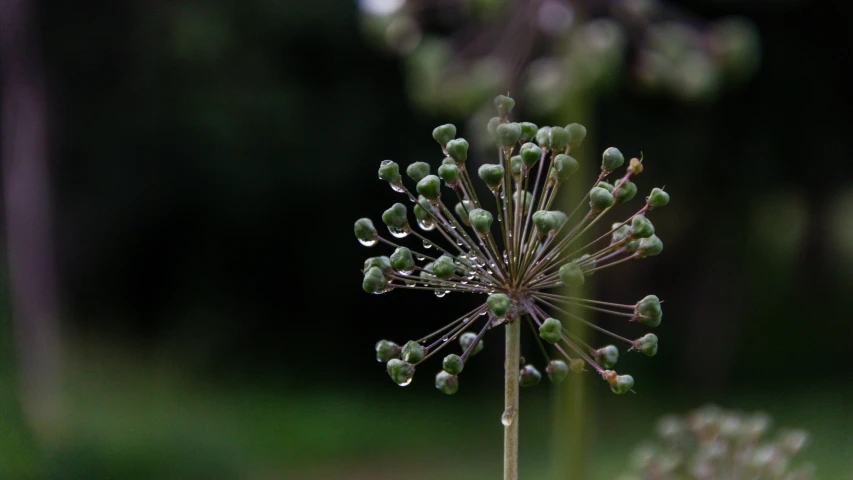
x: 712, y: 443
x: 514, y: 258
x: 456, y: 55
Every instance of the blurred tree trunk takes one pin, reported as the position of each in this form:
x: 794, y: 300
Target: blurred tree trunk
x: 28, y: 216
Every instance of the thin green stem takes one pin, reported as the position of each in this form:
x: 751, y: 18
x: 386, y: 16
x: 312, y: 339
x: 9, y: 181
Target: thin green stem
x: 510, y: 415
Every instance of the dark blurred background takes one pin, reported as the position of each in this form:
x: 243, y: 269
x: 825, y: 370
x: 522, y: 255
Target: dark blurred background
x: 206, y: 161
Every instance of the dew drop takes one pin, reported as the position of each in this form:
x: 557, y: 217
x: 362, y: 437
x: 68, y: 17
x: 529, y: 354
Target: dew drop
x: 426, y: 225
x: 405, y: 272
x: 398, y: 232
x: 420, y: 258
x: 483, y: 313
x: 427, y: 244
x: 466, y: 320
x: 509, y: 416
x: 405, y: 382
x: 367, y: 243
x: 397, y: 188
x: 444, y: 339
x: 440, y: 293
x: 458, y: 243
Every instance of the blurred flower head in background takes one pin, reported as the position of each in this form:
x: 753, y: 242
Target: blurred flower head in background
x: 459, y: 52
x: 712, y: 443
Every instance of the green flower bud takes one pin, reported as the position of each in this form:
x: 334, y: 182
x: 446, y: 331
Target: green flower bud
x: 649, y: 247
x: 384, y: 264
x: 545, y: 221
x: 625, y: 192
x: 430, y: 187
x: 508, y: 134
x: 600, y: 199
x: 515, y: 166
x: 448, y: 161
x: 551, y: 330
x: 365, y: 232
x: 528, y: 131
x: 557, y: 371
x: 622, y: 384
x: 426, y: 273
x: 374, y: 281
x: 389, y: 171
x: 530, y: 154
x: 647, y: 344
x: 458, y: 150
x: 444, y: 267
x: 504, y: 105
x: 577, y: 133
x: 527, y: 199
x: 571, y: 275
x: 402, y: 261
x: 413, y: 352
x: 565, y: 166
x: 462, y: 208
x: 400, y: 371
x: 577, y: 365
x: 446, y: 383
x: 586, y: 265
x: 417, y: 171
x: 448, y: 173
x: 481, y: 220
x: 452, y: 364
x: 498, y: 303
x: 641, y: 227
x: 620, y: 232
x: 658, y: 198
x: 529, y: 376
x: 648, y: 311
x: 543, y: 137
x: 465, y: 341
x: 396, y: 216
x: 444, y: 133
x: 606, y: 185
x: 606, y: 356
x: 612, y: 159
x: 492, y: 126
x: 493, y: 175
x: 387, y: 350
x: 559, y: 139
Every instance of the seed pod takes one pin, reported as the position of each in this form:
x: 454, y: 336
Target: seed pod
x: 481, y: 220
x: 551, y: 330
x: 641, y: 227
x: 387, y: 350
x: 444, y: 133
x: 389, y: 171
x: 658, y: 198
x: 458, y: 150
x: 400, y: 371
x: 543, y: 137
x: 600, y: 199
x: 557, y: 371
x: 649, y: 247
x: 417, y: 171
x: 626, y: 192
x: 571, y: 275
x: 374, y: 281
x: 504, y: 105
x: 529, y: 376
x: 365, y: 232
x: 498, y: 304
x: 606, y: 356
x: 621, y: 384
x: 559, y: 139
x: 577, y: 365
x: 465, y: 341
x: 493, y: 175
x: 413, y: 352
x: 565, y: 166
x: 383, y: 262
x: 402, y: 261
x: 648, y: 344
x: 396, y: 216
x: 612, y: 159
x: 577, y: 133
x: 453, y: 364
x: 444, y: 267
x: 530, y: 154
x: 648, y: 311
x: 446, y: 383
x: 528, y: 131
x: 430, y: 187
x: 448, y: 173
x: 462, y: 208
